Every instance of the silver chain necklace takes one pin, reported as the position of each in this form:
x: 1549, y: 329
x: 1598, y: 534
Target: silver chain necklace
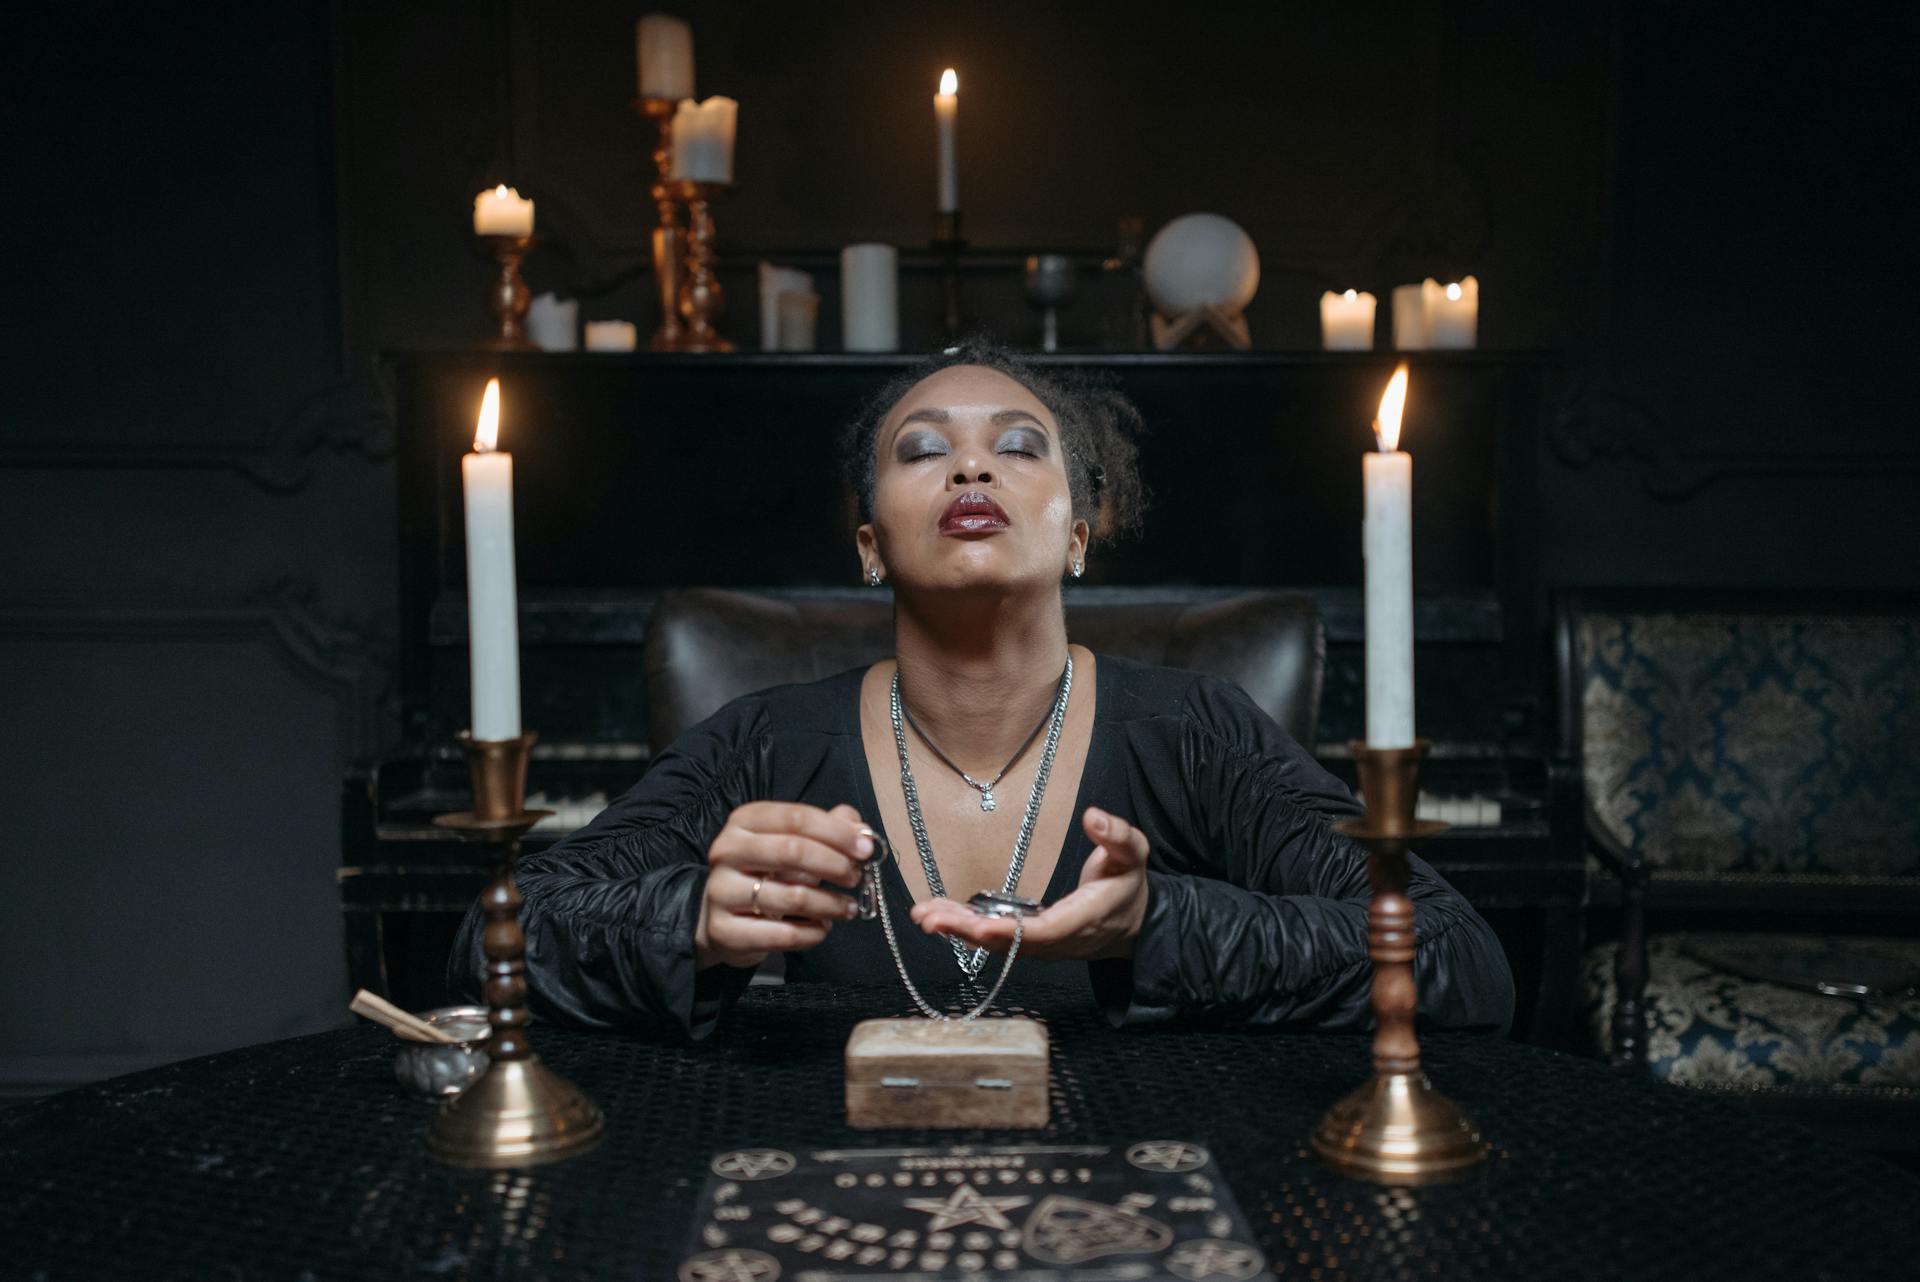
x: 971, y: 962
x: 877, y: 907
x: 987, y: 800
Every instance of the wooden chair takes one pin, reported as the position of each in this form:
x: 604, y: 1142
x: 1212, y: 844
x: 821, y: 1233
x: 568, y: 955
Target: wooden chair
x: 1748, y: 768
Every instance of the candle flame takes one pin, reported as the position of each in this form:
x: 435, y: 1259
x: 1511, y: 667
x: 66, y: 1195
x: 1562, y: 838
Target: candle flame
x: 1453, y: 293
x: 1386, y: 428
x: 949, y: 83
x: 501, y: 191
x: 1351, y: 295
x: 486, y: 435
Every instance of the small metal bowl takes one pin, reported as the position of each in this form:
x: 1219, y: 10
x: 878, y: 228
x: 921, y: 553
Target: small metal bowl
x: 434, y: 1070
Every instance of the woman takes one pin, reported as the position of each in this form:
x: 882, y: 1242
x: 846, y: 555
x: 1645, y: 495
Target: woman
x: 1181, y: 841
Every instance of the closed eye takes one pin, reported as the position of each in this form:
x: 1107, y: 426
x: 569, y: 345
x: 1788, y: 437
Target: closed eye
x: 1025, y: 442
x: 921, y: 445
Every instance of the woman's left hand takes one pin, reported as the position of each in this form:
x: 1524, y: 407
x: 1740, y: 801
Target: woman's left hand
x: 1099, y: 919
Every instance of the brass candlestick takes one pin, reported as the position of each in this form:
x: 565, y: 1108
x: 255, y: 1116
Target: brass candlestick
x: 948, y: 243
x: 1396, y: 1129
x: 701, y: 298
x: 521, y: 1113
x: 669, y: 238
x: 509, y: 297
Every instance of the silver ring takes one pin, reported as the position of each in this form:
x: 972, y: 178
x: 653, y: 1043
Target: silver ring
x: 753, y: 904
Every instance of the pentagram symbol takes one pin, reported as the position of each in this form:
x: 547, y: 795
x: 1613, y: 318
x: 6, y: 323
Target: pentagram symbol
x: 966, y: 1206
x: 1067, y: 1230
x: 1214, y: 1258
x: 1167, y: 1155
x: 729, y: 1266
x: 753, y: 1164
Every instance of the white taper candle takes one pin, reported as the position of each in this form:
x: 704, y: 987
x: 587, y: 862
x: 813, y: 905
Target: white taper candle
x: 1387, y: 542
x: 946, y: 119
x: 493, y: 628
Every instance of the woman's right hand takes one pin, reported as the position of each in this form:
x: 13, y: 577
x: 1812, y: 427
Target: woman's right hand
x: 787, y: 849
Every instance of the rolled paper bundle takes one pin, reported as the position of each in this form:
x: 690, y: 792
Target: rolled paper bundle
x: 612, y: 336
x: 870, y: 298
x: 404, y: 1022
x: 798, y: 313
x: 554, y: 323
x: 775, y: 281
x: 1410, y: 318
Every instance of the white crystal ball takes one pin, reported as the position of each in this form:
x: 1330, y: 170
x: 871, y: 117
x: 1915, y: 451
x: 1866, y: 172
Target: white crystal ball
x: 1201, y: 259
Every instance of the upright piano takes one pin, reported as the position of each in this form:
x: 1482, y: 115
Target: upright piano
x: 637, y: 473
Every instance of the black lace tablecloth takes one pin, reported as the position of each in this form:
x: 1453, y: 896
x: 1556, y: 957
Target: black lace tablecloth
x: 302, y: 1159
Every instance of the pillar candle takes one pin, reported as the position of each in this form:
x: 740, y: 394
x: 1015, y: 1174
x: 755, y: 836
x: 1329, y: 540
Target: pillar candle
x: 493, y: 629
x: 1346, y: 321
x: 1410, y: 318
x: 775, y: 281
x: 501, y: 212
x: 554, y: 323
x: 664, y: 49
x: 1387, y: 542
x: 612, y: 336
x: 703, y: 140
x: 799, y: 311
x: 1453, y: 313
x: 946, y: 120
x: 870, y: 298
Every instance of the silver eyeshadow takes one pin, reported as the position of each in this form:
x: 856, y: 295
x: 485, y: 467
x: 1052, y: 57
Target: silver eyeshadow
x: 1029, y: 440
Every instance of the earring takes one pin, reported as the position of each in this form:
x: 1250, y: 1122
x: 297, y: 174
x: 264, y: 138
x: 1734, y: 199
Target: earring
x: 873, y: 577
x: 1079, y: 568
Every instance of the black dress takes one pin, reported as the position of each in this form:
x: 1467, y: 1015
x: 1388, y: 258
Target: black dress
x: 1256, y: 908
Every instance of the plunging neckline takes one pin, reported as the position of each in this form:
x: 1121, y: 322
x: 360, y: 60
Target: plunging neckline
x: 1074, y: 848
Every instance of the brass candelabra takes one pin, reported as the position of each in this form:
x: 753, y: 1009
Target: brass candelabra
x: 701, y: 298
x: 1396, y: 1128
x: 520, y: 1113
x: 669, y: 238
x: 510, y: 297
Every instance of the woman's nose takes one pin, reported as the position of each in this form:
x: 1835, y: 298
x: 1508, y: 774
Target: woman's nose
x: 972, y: 471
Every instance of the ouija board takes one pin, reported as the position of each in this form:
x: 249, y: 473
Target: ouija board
x: 1157, y: 1209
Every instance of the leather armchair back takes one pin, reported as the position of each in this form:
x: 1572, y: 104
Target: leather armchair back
x: 707, y: 646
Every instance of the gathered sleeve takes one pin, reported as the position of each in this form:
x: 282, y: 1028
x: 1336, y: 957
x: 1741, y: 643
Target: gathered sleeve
x: 1257, y: 911
x: 609, y: 912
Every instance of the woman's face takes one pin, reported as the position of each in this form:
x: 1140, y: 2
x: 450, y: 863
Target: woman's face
x: 970, y: 488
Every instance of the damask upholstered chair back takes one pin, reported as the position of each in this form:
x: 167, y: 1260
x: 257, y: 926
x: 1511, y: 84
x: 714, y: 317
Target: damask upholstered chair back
x: 1752, y: 742
x: 1748, y: 768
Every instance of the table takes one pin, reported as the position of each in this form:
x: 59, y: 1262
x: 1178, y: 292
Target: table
x: 302, y: 1159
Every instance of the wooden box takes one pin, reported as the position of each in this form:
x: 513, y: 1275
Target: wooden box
x: 947, y: 1075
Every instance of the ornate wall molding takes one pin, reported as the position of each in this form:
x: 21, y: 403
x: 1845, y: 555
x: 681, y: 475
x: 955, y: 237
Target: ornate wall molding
x: 339, y: 658
x: 353, y: 415
x: 1600, y: 421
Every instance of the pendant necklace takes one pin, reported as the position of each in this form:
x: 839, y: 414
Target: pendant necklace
x: 987, y: 800
x: 970, y: 961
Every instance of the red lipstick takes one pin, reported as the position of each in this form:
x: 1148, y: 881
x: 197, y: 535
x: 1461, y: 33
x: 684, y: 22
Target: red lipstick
x: 973, y: 513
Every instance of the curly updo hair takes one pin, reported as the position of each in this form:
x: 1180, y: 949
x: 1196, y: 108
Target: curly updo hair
x: 1098, y: 425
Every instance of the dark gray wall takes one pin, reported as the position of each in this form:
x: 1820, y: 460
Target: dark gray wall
x: 222, y: 212
x: 197, y: 580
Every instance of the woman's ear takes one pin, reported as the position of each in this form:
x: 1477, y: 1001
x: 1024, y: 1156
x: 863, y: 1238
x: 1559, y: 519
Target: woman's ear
x: 1077, y: 541
x: 868, y: 546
